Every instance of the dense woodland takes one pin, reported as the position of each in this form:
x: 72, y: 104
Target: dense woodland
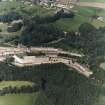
x: 61, y: 85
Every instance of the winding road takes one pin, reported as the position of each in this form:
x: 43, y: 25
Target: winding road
x: 50, y: 57
x: 90, y: 4
x: 45, y: 60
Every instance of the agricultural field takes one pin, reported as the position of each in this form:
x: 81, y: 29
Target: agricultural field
x: 8, y: 6
x: 20, y: 7
x: 92, y: 0
x: 17, y: 99
x: 82, y: 15
x: 17, y: 84
x: 24, y: 99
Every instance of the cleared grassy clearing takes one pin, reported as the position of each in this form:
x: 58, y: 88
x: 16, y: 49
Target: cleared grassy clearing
x: 18, y: 84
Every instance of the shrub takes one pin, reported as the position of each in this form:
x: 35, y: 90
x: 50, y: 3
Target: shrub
x: 0, y: 30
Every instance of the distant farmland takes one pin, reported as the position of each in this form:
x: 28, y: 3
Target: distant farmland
x: 92, y: 0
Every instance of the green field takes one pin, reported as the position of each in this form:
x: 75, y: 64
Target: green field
x: 23, y: 10
x: 27, y: 9
x: 18, y: 99
x: 8, y: 6
x: 18, y: 84
x: 82, y: 15
x: 37, y: 98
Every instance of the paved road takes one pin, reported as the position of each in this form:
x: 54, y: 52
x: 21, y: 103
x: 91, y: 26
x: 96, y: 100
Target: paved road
x: 91, y: 4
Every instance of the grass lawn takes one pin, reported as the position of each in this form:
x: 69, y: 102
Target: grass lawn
x: 18, y: 84
x: 38, y: 98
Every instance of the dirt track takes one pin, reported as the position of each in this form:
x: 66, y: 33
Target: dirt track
x: 91, y: 4
x: 45, y: 60
x: 4, y: 51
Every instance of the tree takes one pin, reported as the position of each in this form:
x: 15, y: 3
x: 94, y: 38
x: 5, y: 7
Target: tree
x: 92, y: 42
x: 86, y: 28
x: 35, y: 34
